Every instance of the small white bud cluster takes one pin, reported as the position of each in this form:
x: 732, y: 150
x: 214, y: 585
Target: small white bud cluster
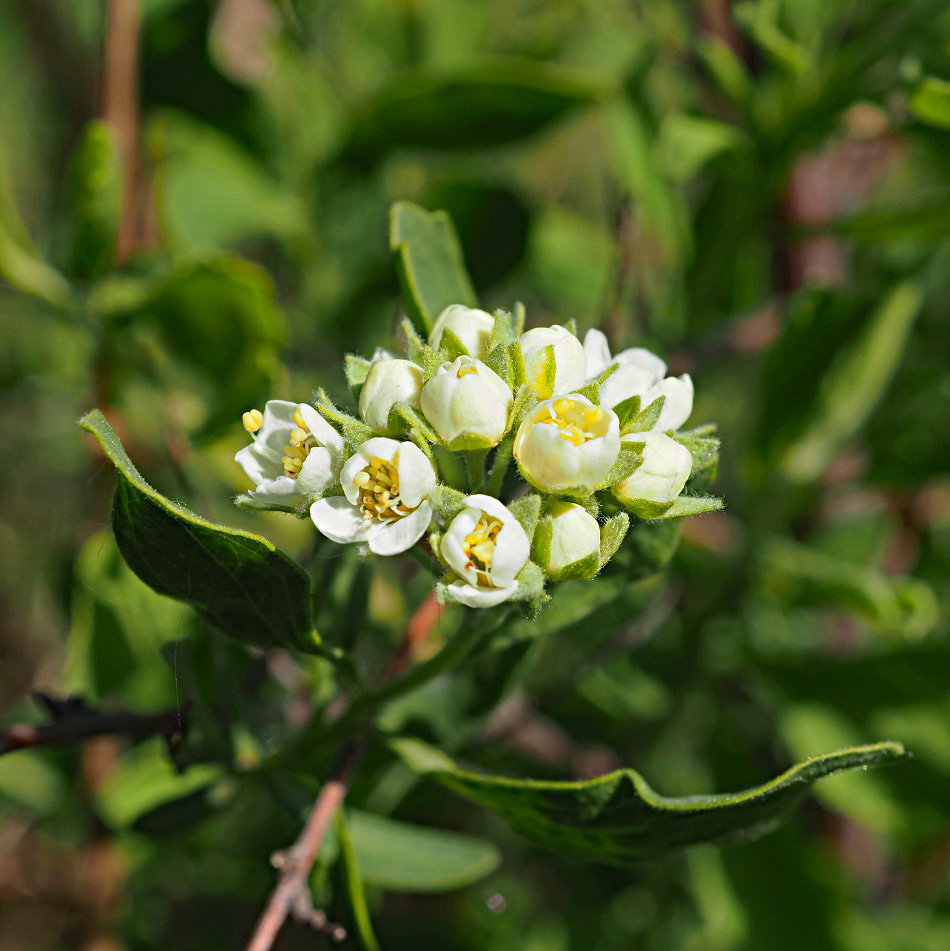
x: 587, y: 430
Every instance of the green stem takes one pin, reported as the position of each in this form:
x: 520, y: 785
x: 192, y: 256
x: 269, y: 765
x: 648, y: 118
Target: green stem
x: 475, y: 468
x: 499, y: 467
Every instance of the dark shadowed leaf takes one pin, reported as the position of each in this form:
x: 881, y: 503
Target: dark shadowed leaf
x: 238, y: 581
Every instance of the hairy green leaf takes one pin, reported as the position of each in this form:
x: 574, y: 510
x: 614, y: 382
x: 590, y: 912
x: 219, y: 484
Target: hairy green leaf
x: 618, y: 819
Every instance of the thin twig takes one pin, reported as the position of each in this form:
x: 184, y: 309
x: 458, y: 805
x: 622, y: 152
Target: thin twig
x: 292, y: 894
x: 73, y: 720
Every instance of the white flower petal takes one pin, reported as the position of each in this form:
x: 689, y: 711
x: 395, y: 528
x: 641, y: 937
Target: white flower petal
x: 355, y: 464
x: 322, y: 431
x: 597, y: 352
x: 400, y: 535
x: 642, y: 359
x: 473, y: 597
x: 340, y: 521
x: 512, y: 549
x: 679, y: 401
x: 259, y: 465
x: 318, y: 471
x: 276, y: 427
x: 416, y: 475
x: 380, y: 446
x: 625, y: 382
x: 454, y: 538
x: 283, y: 489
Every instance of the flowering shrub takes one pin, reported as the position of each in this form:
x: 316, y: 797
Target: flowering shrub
x: 595, y: 438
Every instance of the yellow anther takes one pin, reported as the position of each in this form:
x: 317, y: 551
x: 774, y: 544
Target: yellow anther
x: 361, y: 478
x: 479, y: 547
x: 465, y: 370
x: 299, y: 420
x: 575, y: 424
x: 253, y: 419
x: 378, y: 484
x: 299, y: 436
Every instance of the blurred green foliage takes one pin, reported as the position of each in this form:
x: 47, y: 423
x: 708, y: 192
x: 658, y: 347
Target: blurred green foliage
x: 760, y: 191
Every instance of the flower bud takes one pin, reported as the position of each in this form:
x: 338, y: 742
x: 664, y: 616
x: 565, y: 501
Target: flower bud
x: 467, y: 404
x: 567, y: 542
x: 387, y: 383
x: 567, y: 445
x: 570, y: 364
x: 473, y: 328
x: 486, y: 547
x: 660, y: 477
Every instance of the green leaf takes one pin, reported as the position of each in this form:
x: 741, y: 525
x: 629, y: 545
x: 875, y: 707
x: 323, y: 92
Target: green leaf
x: 238, y: 581
x: 428, y: 261
x: 96, y: 200
x: 687, y: 143
x: 251, y: 502
x: 618, y: 819
x: 478, y: 106
x: 930, y: 102
x: 354, y: 884
x: 855, y: 385
x: 402, y: 857
x: 20, y: 263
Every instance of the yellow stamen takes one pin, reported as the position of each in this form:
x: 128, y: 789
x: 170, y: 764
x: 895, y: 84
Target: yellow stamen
x: 298, y: 419
x: 378, y: 484
x: 253, y: 419
x: 575, y: 423
x: 465, y: 370
x: 479, y: 547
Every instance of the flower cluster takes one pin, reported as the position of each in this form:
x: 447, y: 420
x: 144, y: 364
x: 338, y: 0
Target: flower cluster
x: 594, y: 438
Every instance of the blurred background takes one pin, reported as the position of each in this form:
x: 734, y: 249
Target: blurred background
x: 193, y: 215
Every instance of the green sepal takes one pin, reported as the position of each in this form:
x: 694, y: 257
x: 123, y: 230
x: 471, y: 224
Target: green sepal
x: 449, y: 502
x: 450, y: 343
x: 606, y: 374
x: 517, y: 363
x: 518, y: 316
x: 686, y: 506
x: 355, y: 432
x: 530, y: 583
x: 413, y: 421
x: 543, y: 386
x: 503, y: 332
x: 356, y: 369
x: 590, y: 505
x: 527, y: 510
x: 431, y: 361
x: 645, y: 508
x: 627, y: 410
x: 525, y: 401
x: 591, y: 391
x: 411, y: 344
x: 706, y: 429
x: 570, y: 325
x: 435, y: 543
x: 645, y: 420
x: 499, y: 360
x: 612, y: 534
x: 466, y: 442
x: 705, y: 453
x: 628, y: 461
x: 254, y: 503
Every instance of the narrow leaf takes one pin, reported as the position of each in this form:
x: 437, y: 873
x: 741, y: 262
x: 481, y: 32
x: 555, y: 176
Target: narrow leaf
x: 354, y: 885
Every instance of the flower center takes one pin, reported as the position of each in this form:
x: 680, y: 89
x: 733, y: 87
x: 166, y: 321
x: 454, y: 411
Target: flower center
x: 378, y: 484
x: 479, y: 547
x: 574, y: 422
x: 296, y: 452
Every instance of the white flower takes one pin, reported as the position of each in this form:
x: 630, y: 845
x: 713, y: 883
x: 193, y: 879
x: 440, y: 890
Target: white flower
x: 639, y: 373
x: 295, y: 451
x: 567, y: 541
x: 467, y: 404
x: 661, y: 475
x: 387, y: 488
x: 388, y: 382
x: 473, y: 327
x: 486, y: 547
x: 566, y: 444
x: 569, y: 360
